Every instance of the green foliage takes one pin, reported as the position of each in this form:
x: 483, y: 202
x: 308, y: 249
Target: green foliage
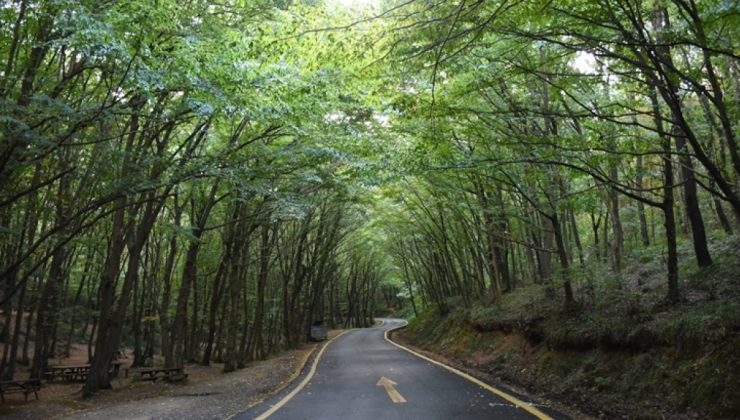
x: 485, y: 159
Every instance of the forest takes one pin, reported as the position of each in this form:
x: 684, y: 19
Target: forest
x: 202, y: 181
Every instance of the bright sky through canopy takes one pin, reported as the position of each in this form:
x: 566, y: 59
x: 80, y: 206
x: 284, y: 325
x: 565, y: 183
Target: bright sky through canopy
x: 352, y: 4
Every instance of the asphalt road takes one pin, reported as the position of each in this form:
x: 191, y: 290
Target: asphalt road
x: 348, y: 384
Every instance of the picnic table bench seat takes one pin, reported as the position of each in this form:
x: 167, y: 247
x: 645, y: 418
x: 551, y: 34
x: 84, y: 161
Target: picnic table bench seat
x: 26, y: 387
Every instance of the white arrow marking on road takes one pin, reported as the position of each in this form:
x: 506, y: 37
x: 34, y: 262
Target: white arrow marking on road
x: 388, y: 385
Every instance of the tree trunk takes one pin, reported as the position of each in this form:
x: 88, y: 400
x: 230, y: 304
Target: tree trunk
x: 667, y: 204
x: 111, y: 323
x: 563, y: 257
x: 167, y: 349
x: 189, y: 276
x: 256, y: 342
x: 9, y: 371
x: 216, y: 295
x: 641, y: 206
x: 48, y: 307
x: 691, y: 201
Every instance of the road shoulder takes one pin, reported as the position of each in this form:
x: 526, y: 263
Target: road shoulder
x: 264, y: 407
x: 550, y: 408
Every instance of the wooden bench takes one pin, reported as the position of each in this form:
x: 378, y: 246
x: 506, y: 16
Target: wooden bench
x: 169, y: 374
x: 26, y: 387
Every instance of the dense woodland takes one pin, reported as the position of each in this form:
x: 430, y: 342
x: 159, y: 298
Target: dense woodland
x: 202, y: 181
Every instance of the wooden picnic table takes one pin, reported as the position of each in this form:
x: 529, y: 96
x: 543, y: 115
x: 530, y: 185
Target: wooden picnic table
x: 26, y: 387
x: 77, y: 373
x: 168, y: 374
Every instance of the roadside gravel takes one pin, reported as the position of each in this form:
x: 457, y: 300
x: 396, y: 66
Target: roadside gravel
x: 218, y: 398
x: 207, y: 394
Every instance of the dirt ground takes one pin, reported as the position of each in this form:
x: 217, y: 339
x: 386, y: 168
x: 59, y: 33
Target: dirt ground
x: 207, y: 393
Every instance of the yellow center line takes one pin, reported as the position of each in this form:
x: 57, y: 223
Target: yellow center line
x: 303, y: 383
x: 510, y: 398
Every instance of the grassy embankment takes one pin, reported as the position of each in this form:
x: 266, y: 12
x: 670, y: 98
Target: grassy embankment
x: 623, y: 352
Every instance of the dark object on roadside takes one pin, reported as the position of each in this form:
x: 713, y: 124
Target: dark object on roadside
x: 26, y: 387
x: 318, y: 331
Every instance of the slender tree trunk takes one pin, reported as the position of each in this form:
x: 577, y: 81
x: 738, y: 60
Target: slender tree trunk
x: 667, y: 205
x: 189, y: 276
x: 216, y: 295
x: 407, y: 279
x: 167, y: 349
x: 691, y: 201
x: 256, y: 342
x: 641, y: 206
x: 48, y: 307
x: 617, y: 243
x: 563, y: 257
x: 25, y: 358
x: 111, y: 326
x: 576, y: 237
x: 9, y: 372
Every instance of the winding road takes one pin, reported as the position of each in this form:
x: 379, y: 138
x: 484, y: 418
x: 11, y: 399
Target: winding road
x: 363, y: 375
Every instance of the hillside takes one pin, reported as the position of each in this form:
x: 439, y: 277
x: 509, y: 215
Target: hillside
x: 624, y: 354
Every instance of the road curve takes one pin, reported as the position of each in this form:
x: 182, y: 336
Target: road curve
x: 360, y: 375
